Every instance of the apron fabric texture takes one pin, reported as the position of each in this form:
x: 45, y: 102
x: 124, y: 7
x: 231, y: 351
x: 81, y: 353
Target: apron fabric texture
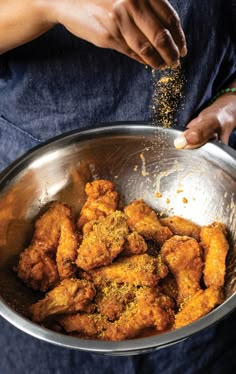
x: 59, y: 83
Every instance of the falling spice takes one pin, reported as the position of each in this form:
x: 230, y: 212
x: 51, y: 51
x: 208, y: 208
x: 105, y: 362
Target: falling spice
x: 168, y: 91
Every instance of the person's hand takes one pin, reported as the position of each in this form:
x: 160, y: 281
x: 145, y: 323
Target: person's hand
x: 215, y: 122
x: 148, y: 31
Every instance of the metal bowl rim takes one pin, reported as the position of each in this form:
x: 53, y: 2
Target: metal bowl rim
x: 127, y: 346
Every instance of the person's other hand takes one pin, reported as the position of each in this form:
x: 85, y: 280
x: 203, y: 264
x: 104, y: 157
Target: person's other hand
x: 148, y: 31
x: 215, y: 122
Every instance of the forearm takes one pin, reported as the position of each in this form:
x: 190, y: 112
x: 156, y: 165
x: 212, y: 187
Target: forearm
x: 22, y: 21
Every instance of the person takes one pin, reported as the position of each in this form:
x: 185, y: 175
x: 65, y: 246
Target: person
x: 75, y: 64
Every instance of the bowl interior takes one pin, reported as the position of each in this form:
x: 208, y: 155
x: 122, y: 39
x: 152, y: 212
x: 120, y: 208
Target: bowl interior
x: 140, y: 159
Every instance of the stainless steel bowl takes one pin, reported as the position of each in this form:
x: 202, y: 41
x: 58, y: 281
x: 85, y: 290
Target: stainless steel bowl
x: 141, y: 160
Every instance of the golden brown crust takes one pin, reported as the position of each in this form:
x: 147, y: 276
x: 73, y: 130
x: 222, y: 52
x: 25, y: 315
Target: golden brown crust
x: 112, y: 299
x: 37, y: 265
x: 143, y: 220
x: 102, y: 200
x: 128, y: 287
x: 70, y: 296
x: 201, y: 303
x: 137, y: 270
x: 37, y: 270
x: 104, y: 242
x: 85, y: 325
x: 134, y: 245
x: 149, y: 309
x: 183, y: 256
x: 181, y: 226
x: 216, y: 247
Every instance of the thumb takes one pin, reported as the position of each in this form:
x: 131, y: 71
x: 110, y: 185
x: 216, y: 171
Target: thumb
x: 198, y: 133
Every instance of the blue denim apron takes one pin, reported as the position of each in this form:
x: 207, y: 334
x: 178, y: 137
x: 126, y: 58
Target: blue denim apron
x: 58, y: 83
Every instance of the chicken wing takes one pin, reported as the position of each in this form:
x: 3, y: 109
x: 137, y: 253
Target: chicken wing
x: 37, y: 269
x: 137, y: 270
x: 85, y: 325
x: 112, y: 299
x: 37, y: 264
x: 102, y: 200
x: 104, y: 242
x: 134, y: 245
x: 169, y: 287
x: 148, y: 310
x: 184, y: 258
x: 216, y: 247
x: 143, y: 220
x: 70, y: 296
x: 181, y: 226
x: 201, y: 303
x: 67, y: 250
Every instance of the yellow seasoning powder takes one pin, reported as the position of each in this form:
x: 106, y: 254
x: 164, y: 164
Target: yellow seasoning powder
x: 168, y: 91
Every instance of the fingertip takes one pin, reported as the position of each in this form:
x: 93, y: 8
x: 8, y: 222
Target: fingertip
x: 183, y: 51
x: 180, y: 142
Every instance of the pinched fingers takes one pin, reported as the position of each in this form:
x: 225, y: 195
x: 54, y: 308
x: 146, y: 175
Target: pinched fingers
x: 171, y: 21
x: 152, y: 32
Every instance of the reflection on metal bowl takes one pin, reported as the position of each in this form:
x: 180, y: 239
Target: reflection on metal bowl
x: 199, y: 185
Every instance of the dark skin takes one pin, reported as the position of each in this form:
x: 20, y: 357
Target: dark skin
x: 217, y: 121
x: 148, y: 31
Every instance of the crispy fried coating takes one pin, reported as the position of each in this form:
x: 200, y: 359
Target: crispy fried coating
x: 184, y: 258
x: 149, y: 309
x: 85, y: 325
x: 134, y: 245
x: 181, y: 226
x: 37, y: 264
x: 216, y: 247
x: 201, y: 303
x: 67, y: 250
x: 71, y: 295
x: 104, y: 242
x: 137, y: 270
x: 102, y: 200
x: 169, y: 286
x: 144, y: 221
x: 37, y: 269
x: 112, y: 299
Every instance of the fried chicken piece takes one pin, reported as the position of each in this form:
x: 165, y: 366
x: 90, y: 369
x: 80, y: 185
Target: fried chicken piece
x: 112, y: 299
x: 134, y: 245
x: 169, y: 287
x: 144, y: 221
x: 102, y: 201
x: 149, y: 309
x: 184, y: 258
x: 70, y: 296
x: 37, y: 269
x: 67, y: 250
x: 216, y: 246
x: 137, y: 270
x: 37, y: 265
x: 85, y: 325
x: 201, y: 303
x: 104, y: 242
x: 181, y: 226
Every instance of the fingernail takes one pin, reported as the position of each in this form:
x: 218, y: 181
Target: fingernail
x: 183, y: 51
x: 176, y: 65
x: 180, y: 142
